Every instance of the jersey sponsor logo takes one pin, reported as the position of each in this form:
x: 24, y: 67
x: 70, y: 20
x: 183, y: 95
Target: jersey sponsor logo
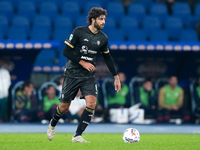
x: 92, y: 52
x: 86, y: 40
x: 86, y: 58
x: 70, y: 37
x: 98, y: 43
x: 84, y: 49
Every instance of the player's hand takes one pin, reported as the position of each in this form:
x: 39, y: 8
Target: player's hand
x: 117, y: 83
x: 87, y: 65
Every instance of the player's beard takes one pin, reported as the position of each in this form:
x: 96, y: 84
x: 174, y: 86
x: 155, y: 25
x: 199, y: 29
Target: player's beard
x: 98, y: 27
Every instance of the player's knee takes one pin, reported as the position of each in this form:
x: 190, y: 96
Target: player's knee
x: 63, y: 107
x: 91, y: 105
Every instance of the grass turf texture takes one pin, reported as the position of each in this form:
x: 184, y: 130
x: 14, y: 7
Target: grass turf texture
x: 39, y: 141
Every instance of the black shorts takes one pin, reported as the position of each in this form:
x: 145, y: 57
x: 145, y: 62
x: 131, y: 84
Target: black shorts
x: 71, y: 87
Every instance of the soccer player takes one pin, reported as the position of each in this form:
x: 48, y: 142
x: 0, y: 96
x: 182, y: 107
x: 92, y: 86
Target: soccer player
x: 81, y: 50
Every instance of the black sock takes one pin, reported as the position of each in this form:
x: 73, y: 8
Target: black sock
x: 57, y: 115
x: 85, y: 120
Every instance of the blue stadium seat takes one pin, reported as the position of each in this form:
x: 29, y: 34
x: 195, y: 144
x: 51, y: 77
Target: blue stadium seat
x: 137, y: 10
x: 63, y: 23
x: 116, y: 35
x: 110, y: 24
x: 58, y: 3
x: 174, y: 27
x: 159, y: 35
x: 71, y: 9
x: 17, y: 34
x: 81, y: 21
x: 102, y: 2
x: 116, y: 10
x: 159, y: 10
x: 81, y: 3
x: 27, y: 9
x: 61, y: 35
x: 182, y: 10
x: 37, y: 34
x: 4, y: 24
x: 197, y: 10
x: 89, y: 5
x: 45, y: 57
x: 146, y: 3
x: 151, y: 24
x: 21, y: 22
x: 128, y: 24
x: 49, y: 9
x: 138, y: 35
x: 6, y: 8
x: 42, y: 23
x: 189, y: 35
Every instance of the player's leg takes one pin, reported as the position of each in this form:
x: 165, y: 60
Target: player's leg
x: 89, y: 91
x: 69, y: 91
x: 60, y: 110
x: 85, y: 118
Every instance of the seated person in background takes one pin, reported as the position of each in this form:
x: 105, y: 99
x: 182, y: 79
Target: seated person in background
x: 26, y: 104
x: 50, y: 103
x: 118, y: 100
x: 147, y: 97
x: 197, y: 102
x: 171, y: 101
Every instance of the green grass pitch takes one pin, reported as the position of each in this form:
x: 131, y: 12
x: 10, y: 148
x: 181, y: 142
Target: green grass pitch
x: 39, y: 141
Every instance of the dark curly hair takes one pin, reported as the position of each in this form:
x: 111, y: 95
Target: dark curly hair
x: 94, y: 13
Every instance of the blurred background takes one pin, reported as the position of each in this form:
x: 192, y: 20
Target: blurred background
x: 154, y: 43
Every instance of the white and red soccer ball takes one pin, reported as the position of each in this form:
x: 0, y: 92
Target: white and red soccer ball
x: 131, y: 135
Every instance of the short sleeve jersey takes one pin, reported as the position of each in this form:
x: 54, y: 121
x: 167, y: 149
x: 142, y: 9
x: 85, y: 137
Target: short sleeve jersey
x: 85, y: 45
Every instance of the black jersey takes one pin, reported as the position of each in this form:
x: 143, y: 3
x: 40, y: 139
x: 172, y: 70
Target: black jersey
x: 86, y: 45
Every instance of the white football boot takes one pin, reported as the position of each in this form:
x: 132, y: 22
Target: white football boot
x: 79, y: 139
x: 50, y: 132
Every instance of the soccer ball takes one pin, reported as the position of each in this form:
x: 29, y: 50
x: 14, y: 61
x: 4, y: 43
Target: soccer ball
x: 131, y: 135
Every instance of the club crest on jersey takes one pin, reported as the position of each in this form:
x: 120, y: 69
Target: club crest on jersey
x: 98, y: 43
x: 70, y: 37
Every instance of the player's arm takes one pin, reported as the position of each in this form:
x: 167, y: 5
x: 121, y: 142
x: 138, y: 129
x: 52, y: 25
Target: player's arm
x: 110, y: 64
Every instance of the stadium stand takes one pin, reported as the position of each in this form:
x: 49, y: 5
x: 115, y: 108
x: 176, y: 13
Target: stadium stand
x: 189, y: 35
x: 159, y: 10
x: 48, y: 8
x: 174, y: 27
x: 139, y: 35
x: 27, y: 9
x: 72, y: 8
x: 116, y: 35
x: 116, y: 10
x: 16, y: 33
x: 159, y: 35
x: 7, y: 9
x: 91, y: 4
x: 4, y: 24
x: 137, y: 10
x: 151, y: 24
x: 182, y: 10
x: 128, y: 24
